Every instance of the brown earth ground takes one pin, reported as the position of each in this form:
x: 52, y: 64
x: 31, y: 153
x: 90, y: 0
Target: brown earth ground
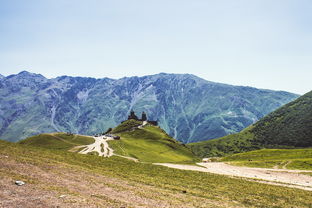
x: 63, y: 185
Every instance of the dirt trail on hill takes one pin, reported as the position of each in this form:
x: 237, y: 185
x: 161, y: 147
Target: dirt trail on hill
x: 100, y: 146
x: 143, y: 124
x: 283, y: 177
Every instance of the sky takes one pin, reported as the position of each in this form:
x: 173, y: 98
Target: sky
x: 260, y: 43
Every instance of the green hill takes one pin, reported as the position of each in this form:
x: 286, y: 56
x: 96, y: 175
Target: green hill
x: 288, y: 127
x: 149, y: 144
x: 60, y: 141
x: 126, y: 126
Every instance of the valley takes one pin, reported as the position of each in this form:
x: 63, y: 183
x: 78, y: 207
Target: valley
x: 142, y: 142
x: 288, y: 127
x: 139, y: 164
x: 156, y: 104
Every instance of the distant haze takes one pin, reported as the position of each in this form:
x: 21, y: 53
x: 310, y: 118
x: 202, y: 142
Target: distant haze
x: 260, y: 43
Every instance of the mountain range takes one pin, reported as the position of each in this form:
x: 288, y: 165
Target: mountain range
x: 189, y: 108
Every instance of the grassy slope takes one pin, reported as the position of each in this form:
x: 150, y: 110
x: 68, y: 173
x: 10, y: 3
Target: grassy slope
x: 147, y: 181
x: 230, y: 144
x: 60, y: 141
x: 288, y: 127
x: 126, y: 126
x: 282, y: 158
x: 151, y: 144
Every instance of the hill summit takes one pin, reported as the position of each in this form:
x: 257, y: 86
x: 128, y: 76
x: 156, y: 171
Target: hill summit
x: 135, y: 139
x: 146, y: 142
x: 143, y: 118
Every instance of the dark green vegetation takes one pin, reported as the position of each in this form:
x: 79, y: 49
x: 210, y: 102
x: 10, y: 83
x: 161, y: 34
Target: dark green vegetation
x: 300, y: 159
x: 291, y: 125
x: 288, y: 127
x: 61, y: 141
x: 149, y: 144
x: 230, y: 144
x: 189, y: 108
x: 155, y: 184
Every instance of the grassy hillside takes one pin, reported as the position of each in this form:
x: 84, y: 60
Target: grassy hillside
x: 150, y: 144
x: 268, y: 158
x: 126, y: 126
x: 65, y: 179
x: 61, y: 141
x: 230, y: 144
x: 288, y: 127
x: 291, y: 125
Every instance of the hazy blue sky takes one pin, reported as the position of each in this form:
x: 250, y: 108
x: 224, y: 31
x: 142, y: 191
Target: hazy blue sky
x: 260, y: 43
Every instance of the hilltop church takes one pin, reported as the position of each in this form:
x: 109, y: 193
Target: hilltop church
x: 143, y: 118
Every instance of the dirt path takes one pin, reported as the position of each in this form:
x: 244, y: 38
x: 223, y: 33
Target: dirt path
x: 100, y: 146
x: 143, y: 124
x: 290, y: 178
x: 285, y: 165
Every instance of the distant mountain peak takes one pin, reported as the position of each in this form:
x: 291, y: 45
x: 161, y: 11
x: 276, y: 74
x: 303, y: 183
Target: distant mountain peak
x: 25, y: 79
x: 29, y: 74
x: 25, y: 72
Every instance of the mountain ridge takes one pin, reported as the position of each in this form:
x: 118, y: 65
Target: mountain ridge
x: 25, y: 72
x: 186, y: 106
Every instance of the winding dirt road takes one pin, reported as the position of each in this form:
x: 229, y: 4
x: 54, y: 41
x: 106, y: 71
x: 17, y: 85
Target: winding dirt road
x: 100, y: 146
x: 282, y: 177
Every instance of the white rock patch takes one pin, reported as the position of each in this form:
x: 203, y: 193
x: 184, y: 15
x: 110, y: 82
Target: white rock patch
x: 100, y: 146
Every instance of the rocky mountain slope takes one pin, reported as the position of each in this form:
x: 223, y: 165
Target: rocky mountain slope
x: 288, y: 127
x: 187, y: 107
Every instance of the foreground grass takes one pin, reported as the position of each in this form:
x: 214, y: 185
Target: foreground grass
x: 195, y: 186
x: 279, y: 158
x: 152, y: 144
